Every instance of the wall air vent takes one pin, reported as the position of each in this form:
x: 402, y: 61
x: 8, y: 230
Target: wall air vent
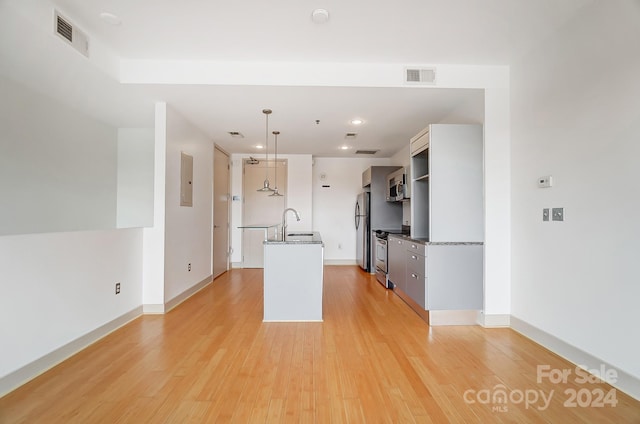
x: 236, y: 134
x: 420, y: 76
x: 64, y: 29
x: 366, y: 152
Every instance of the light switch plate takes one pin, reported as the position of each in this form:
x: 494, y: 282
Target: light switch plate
x: 557, y: 214
x: 545, y: 214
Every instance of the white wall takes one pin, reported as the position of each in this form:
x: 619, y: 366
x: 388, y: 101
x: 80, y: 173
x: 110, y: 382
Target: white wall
x: 153, y: 239
x: 57, y: 287
x: 188, y: 230
x: 135, y: 177
x: 576, y: 117
x: 299, y: 197
x: 470, y: 112
x: 57, y: 166
x: 333, y: 207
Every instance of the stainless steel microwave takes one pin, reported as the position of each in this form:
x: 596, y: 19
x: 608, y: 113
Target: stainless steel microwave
x: 398, y: 186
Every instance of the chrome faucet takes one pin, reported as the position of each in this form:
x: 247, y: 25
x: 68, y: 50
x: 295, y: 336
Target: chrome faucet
x: 284, y: 220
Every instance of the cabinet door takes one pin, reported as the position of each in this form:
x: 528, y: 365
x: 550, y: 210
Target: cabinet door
x: 416, y: 287
x: 396, y: 265
x: 456, y: 208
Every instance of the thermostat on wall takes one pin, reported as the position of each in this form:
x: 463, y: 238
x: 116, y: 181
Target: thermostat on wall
x: 544, y: 182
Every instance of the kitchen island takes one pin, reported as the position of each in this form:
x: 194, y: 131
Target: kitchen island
x: 293, y: 273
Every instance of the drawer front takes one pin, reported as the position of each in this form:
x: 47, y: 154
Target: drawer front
x: 415, y: 263
x: 415, y: 247
x: 416, y: 284
x: 395, y: 241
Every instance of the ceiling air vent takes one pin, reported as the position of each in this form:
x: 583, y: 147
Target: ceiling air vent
x: 70, y: 34
x: 424, y: 76
x: 350, y: 136
x: 236, y: 134
x: 366, y: 152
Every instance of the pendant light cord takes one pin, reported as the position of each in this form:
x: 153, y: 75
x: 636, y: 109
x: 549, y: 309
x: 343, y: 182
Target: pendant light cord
x: 266, y: 187
x: 275, y: 133
x: 266, y: 144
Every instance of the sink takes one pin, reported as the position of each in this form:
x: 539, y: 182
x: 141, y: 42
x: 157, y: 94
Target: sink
x: 299, y: 234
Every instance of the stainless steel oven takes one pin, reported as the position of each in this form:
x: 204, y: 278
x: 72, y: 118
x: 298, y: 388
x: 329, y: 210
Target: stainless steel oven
x: 382, y: 254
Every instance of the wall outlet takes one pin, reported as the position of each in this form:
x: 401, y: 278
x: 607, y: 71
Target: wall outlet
x: 189, y: 267
x: 557, y: 214
x: 545, y: 214
x: 117, y: 288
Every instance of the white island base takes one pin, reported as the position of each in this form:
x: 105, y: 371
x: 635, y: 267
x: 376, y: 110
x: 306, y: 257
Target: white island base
x: 293, y: 273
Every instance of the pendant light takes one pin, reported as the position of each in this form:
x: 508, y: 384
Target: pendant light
x: 275, y: 189
x: 266, y: 187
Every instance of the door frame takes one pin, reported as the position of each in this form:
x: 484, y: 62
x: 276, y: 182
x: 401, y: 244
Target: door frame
x: 228, y: 188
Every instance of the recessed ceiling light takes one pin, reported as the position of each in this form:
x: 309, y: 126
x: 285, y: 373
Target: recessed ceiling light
x: 320, y: 16
x: 259, y: 146
x: 357, y: 121
x: 345, y: 147
x: 110, y: 18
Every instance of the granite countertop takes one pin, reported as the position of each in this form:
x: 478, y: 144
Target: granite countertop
x: 424, y: 240
x: 258, y: 226
x: 297, y: 237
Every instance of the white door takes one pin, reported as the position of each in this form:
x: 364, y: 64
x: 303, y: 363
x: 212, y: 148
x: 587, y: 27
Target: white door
x: 220, y: 212
x: 260, y: 208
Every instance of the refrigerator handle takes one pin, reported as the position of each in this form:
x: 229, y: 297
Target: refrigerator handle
x: 357, y: 215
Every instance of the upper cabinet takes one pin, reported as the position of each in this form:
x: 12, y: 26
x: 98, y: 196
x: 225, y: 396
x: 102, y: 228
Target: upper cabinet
x: 447, y: 183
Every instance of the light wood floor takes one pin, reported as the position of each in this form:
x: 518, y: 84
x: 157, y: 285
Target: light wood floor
x: 372, y: 360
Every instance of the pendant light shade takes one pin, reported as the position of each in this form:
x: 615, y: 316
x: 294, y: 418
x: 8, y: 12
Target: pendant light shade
x: 275, y: 188
x: 266, y: 184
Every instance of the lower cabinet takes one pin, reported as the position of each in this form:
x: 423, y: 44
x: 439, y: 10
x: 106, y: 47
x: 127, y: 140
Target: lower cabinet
x: 416, y: 288
x: 396, y: 264
x: 437, y: 276
x: 416, y: 273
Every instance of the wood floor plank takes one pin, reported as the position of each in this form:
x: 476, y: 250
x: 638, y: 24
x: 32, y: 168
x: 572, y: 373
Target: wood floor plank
x: 212, y: 359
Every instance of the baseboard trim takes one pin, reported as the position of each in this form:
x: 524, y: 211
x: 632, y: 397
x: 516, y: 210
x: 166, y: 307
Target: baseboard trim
x: 453, y: 317
x: 187, y: 293
x: 30, y: 371
x: 494, y: 320
x: 626, y: 382
x: 340, y: 262
x: 236, y: 265
x: 153, y: 308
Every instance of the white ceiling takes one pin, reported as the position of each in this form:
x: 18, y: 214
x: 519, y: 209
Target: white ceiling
x: 481, y: 32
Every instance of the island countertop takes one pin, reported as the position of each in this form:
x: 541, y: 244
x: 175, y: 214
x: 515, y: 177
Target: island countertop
x: 293, y: 277
x: 297, y: 237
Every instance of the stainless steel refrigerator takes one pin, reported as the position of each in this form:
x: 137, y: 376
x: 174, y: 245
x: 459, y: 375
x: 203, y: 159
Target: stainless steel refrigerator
x: 373, y: 212
x: 362, y: 231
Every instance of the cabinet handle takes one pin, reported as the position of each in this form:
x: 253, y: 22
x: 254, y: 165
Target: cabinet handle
x: 414, y: 257
x: 414, y: 275
x: 413, y: 246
